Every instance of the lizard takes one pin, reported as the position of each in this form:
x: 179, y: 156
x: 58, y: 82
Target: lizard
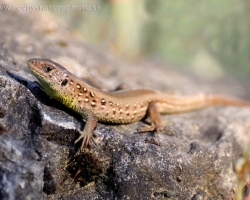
x: 119, y: 107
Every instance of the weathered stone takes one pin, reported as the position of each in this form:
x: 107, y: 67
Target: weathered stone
x: 38, y: 157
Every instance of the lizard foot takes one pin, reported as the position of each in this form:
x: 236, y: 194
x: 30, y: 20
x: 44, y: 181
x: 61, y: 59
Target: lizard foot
x: 86, y: 138
x: 147, y: 128
x: 155, y: 128
x: 156, y: 121
x: 87, y: 133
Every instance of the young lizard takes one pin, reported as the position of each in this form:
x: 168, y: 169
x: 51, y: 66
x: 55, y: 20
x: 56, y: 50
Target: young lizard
x: 120, y: 107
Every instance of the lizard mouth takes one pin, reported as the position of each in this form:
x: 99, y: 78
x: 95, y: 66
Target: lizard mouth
x: 41, y: 66
x: 40, y: 69
x: 34, y: 65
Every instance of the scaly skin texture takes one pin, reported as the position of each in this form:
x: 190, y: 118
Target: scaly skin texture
x: 120, y: 107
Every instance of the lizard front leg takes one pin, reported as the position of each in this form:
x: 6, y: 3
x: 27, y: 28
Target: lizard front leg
x: 87, y: 133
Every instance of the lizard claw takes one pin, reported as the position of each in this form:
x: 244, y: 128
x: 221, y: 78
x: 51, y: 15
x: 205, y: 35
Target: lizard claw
x: 154, y: 128
x: 86, y: 138
x: 81, y: 135
x: 87, y: 133
x: 147, y: 128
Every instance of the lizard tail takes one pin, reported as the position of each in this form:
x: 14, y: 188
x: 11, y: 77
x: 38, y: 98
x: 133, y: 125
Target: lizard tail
x: 178, y: 104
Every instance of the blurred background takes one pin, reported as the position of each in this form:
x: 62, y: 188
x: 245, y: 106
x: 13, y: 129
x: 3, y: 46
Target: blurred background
x: 210, y: 38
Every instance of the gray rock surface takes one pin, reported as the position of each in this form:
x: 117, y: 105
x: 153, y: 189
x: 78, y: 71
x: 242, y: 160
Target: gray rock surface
x: 38, y: 157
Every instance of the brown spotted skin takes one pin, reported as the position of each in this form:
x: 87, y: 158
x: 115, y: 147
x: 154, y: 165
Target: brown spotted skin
x: 125, y: 106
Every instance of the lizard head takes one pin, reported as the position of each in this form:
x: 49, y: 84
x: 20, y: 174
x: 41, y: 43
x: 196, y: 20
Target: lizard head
x: 51, y: 75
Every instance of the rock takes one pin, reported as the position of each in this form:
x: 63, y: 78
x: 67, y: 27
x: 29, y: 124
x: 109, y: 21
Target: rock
x: 39, y: 159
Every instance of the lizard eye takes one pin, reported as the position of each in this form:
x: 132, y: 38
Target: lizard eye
x: 64, y: 82
x: 47, y: 68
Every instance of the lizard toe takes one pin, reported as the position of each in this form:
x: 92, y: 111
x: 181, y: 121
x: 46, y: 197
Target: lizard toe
x: 146, y: 128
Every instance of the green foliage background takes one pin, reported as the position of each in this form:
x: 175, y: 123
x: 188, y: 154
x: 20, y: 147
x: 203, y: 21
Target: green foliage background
x: 206, y: 36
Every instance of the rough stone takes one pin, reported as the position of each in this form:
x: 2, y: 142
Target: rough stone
x: 38, y: 157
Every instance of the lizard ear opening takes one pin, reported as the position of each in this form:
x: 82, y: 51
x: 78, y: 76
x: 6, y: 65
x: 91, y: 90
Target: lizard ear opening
x: 64, y: 82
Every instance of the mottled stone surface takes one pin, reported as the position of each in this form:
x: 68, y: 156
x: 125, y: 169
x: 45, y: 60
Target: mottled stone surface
x: 37, y: 152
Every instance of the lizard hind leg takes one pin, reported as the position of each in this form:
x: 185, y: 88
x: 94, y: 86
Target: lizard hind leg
x: 155, y: 119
